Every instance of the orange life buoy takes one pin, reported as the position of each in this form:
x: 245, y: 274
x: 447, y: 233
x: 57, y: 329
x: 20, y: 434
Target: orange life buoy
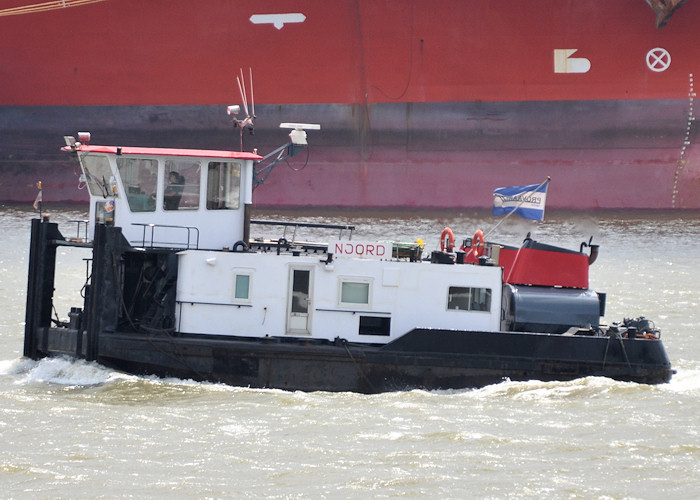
x: 478, y: 243
x: 447, y: 240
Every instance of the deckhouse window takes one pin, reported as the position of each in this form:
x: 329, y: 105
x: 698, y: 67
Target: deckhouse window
x: 97, y: 175
x: 223, y: 185
x: 139, y: 178
x: 242, y: 285
x: 354, y: 292
x: 469, y: 299
x: 375, y: 325
x: 181, y: 185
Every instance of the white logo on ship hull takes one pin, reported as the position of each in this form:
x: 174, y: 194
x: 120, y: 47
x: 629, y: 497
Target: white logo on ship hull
x: 658, y: 59
x: 563, y: 63
x: 277, y: 20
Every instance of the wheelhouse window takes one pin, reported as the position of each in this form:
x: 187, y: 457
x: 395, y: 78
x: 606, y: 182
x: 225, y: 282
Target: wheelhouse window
x: 223, y: 185
x: 469, y: 299
x: 139, y: 178
x: 181, y: 185
x: 354, y: 292
x: 98, y: 175
x: 172, y: 191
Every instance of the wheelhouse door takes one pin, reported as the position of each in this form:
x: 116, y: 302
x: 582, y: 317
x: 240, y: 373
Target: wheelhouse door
x: 299, y: 305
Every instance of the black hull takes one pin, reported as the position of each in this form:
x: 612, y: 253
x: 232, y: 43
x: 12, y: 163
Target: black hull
x: 423, y: 359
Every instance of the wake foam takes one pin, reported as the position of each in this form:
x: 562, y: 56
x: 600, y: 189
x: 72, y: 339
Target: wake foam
x: 685, y: 381
x: 60, y: 371
x: 66, y: 371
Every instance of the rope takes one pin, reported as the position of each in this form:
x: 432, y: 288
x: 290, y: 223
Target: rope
x: 45, y: 6
x: 622, y: 345
x: 624, y: 351
x: 357, y: 365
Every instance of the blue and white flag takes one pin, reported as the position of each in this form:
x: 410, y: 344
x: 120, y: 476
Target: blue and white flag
x: 525, y: 201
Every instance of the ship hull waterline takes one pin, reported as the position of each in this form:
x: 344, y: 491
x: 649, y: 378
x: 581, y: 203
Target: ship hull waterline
x: 456, y: 360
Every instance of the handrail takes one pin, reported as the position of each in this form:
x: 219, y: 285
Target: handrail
x: 77, y: 236
x: 313, y: 225
x: 153, y: 227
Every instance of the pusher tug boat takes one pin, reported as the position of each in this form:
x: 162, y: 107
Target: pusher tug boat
x: 178, y: 287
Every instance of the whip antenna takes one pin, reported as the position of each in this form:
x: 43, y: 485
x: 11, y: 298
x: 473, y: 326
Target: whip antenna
x: 246, y: 122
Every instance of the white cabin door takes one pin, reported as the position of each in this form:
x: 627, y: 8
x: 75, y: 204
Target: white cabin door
x: 299, y: 306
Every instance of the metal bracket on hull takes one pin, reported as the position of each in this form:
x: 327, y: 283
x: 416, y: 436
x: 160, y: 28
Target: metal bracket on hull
x: 264, y: 167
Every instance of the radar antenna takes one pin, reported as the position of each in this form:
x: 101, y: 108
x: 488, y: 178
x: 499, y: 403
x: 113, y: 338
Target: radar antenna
x: 247, y: 122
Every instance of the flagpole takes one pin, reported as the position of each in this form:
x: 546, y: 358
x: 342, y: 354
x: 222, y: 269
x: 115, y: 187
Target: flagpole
x: 39, y: 200
x: 515, y: 208
x: 509, y: 214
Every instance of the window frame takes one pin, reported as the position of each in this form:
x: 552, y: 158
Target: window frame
x: 227, y: 202
x: 382, y: 330
x: 249, y: 275
x: 189, y: 170
x: 342, y: 281
x: 98, y: 174
x: 140, y: 193
x: 471, y: 298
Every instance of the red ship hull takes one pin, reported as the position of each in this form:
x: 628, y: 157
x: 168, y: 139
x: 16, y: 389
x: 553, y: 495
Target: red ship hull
x: 422, y: 104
